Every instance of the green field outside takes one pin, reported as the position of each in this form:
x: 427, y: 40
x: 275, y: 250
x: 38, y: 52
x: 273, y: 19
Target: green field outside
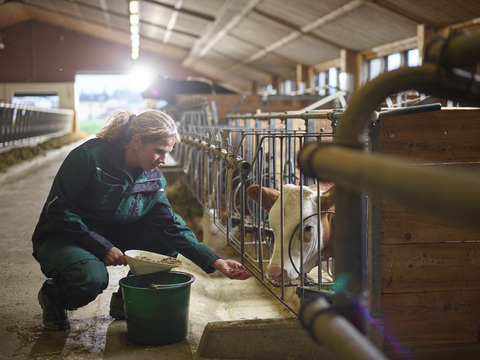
x: 91, y: 127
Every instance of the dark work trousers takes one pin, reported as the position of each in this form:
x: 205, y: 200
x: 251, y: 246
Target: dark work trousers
x: 77, y: 277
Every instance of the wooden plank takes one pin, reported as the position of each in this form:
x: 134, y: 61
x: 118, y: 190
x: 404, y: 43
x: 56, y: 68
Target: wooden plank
x: 430, y: 267
x: 437, y: 352
x: 402, y: 224
x: 432, y: 318
x: 448, y: 135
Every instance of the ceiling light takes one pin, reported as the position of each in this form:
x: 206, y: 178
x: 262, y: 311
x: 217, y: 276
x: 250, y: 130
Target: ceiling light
x: 135, y: 38
x: 134, y: 7
x: 134, y: 19
x: 134, y: 29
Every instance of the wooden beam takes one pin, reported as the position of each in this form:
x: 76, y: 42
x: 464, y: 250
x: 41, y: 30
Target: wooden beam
x: 390, y: 48
x: 326, y: 65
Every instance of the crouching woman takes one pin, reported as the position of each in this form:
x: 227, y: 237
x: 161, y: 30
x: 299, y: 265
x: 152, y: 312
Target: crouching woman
x: 108, y: 197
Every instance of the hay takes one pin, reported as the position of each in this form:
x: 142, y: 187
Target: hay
x: 182, y: 201
x: 17, y: 155
x: 25, y: 334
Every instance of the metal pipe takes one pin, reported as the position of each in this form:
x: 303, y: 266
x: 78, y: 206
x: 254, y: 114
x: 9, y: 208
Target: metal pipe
x: 453, y: 195
x: 232, y: 159
x: 336, y: 333
x: 460, y: 49
x: 383, y: 177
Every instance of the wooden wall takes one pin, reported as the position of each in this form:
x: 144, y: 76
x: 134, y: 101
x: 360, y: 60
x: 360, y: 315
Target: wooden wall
x: 40, y: 52
x: 430, y: 267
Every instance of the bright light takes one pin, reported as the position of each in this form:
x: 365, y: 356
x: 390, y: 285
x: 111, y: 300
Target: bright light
x: 139, y: 78
x: 134, y: 30
x: 135, y: 53
x: 134, y: 19
x: 134, y: 7
x: 135, y: 38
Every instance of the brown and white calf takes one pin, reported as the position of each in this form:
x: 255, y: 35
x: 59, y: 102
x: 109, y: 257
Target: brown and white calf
x: 272, y: 204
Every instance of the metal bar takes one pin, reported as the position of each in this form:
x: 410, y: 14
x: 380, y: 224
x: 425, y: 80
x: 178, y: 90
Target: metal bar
x: 374, y: 236
x: 456, y: 196
x: 325, y: 100
x: 336, y: 333
x: 282, y: 219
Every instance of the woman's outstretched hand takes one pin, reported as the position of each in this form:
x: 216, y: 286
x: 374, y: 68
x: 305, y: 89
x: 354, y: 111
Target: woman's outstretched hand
x: 231, y: 269
x: 115, y: 257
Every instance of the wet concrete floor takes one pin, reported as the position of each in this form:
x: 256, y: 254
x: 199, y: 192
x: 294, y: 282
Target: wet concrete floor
x: 94, y: 334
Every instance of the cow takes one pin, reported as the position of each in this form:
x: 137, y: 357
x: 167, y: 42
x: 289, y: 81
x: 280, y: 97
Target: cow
x: 272, y: 204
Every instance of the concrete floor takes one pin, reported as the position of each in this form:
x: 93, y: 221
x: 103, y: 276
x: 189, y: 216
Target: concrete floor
x: 94, y: 334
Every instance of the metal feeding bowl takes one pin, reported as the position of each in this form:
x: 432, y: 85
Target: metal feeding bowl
x: 145, y: 262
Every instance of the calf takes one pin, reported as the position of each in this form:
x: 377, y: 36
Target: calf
x: 272, y: 204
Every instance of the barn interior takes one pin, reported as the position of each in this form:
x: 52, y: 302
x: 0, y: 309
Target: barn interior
x: 379, y: 97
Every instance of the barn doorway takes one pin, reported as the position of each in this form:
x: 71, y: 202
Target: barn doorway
x: 98, y: 96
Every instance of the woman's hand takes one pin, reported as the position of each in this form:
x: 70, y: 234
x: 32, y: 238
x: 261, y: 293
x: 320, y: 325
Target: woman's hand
x: 115, y: 257
x: 231, y: 269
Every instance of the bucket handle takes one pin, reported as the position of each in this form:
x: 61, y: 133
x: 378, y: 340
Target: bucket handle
x: 159, y: 286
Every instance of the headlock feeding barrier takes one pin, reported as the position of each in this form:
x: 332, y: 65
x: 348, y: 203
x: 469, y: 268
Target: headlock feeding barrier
x: 20, y: 124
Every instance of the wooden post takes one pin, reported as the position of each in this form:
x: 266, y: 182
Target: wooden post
x: 348, y: 67
x: 425, y: 34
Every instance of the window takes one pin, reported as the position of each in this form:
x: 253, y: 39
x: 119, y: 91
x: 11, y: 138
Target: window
x: 327, y: 82
x: 394, y: 61
x: 374, y: 68
x: 40, y: 100
x: 412, y: 57
x: 332, y: 80
x: 287, y: 87
x: 322, y: 82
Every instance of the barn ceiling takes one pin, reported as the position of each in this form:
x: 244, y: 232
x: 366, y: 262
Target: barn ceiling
x: 237, y: 42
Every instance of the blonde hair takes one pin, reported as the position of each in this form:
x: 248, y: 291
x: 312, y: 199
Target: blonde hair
x: 152, y: 125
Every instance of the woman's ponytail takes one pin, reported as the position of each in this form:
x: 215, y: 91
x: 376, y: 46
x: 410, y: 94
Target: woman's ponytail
x: 116, y: 126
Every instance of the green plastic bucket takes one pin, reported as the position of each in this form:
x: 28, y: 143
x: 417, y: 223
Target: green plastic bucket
x: 156, y: 307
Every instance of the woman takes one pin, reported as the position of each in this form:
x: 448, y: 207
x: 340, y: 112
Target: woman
x: 108, y: 197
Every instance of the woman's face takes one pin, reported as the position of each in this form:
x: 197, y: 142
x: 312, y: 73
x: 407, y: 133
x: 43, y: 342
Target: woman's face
x: 151, y: 155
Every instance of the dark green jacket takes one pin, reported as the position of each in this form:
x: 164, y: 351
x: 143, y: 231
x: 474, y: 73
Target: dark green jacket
x: 92, y: 193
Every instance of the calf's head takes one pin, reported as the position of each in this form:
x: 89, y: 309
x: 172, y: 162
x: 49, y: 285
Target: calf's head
x: 272, y: 204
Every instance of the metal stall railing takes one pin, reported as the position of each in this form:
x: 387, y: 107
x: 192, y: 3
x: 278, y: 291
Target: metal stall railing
x: 20, y: 124
x: 222, y: 162
x: 456, y: 196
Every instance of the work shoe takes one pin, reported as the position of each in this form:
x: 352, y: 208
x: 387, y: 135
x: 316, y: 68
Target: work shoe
x: 117, y: 309
x: 54, y: 317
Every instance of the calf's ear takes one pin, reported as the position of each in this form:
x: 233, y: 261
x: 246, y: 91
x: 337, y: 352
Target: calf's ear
x: 324, y: 186
x: 269, y: 196
x: 328, y: 200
